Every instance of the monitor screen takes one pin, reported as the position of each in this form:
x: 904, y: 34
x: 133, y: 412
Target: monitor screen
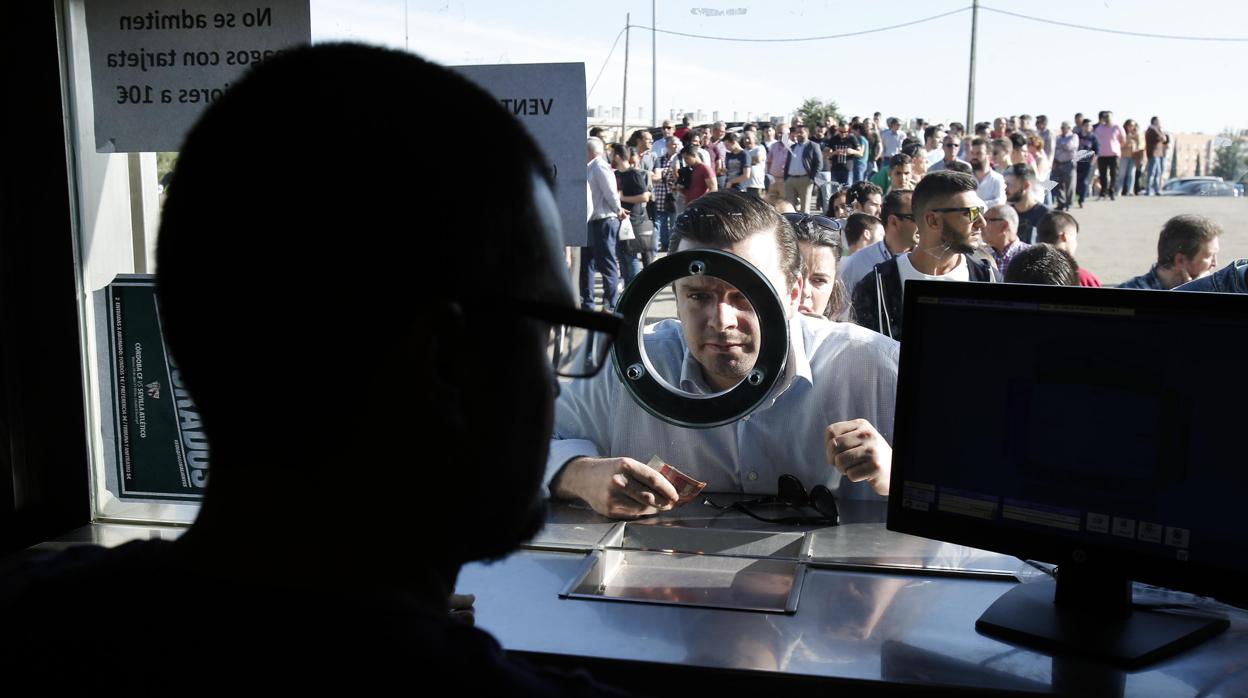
x: 1103, y: 426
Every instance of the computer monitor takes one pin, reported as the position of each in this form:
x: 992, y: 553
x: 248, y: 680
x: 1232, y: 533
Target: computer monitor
x: 1102, y: 430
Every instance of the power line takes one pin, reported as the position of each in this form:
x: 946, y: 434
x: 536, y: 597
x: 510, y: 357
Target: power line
x: 1147, y: 35
x: 806, y: 38
x: 604, y: 63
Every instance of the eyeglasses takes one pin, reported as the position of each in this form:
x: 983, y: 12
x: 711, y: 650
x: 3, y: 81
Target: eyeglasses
x: 972, y: 212
x: 993, y: 220
x: 951, y: 145
x: 905, y: 216
x: 568, y: 360
x: 790, y: 494
x: 797, y: 219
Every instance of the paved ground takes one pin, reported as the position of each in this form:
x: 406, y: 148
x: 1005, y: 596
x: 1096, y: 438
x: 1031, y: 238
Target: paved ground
x: 1118, y: 239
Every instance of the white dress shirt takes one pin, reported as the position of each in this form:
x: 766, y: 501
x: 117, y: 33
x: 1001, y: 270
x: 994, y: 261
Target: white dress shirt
x: 835, y: 372
x: 603, y: 195
x: 992, y: 188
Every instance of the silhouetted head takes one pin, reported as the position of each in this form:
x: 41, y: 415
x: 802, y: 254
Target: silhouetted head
x: 340, y: 303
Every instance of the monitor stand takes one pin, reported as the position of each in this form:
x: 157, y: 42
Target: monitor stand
x: 1089, y: 613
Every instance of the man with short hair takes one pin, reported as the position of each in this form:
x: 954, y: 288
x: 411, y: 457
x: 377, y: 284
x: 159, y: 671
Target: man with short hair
x: 802, y: 161
x: 1064, y: 148
x: 603, y: 229
x: 1020, y: 192
x: 898, y: 174
x: 891, y: 138
x: 1046, y: 134
x: 660, y: 145
x: 861, y: 230
x: 949, y: 145
x: 827, y: 423
x: 646, y: 156
x: 1001, y: 236
x: 1043, y: 264
x: 841, y: 150
x: 351, y: 609
x: 667, y: 168
x: 1061, y: 230
x: 991, y: 184
x: 900, y: 234
x: 777, y: 156
x: 1109, y: 141
x: 947, y: 211
x: 736, y: 164
x: 1156, y: 141
x: 718, y: 149
x: 865, y: 197
x: 1002, y: 153
x: 1187, y: 249
x: 702, y: 178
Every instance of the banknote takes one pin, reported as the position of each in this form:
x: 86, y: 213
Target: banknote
x: 686, y: 487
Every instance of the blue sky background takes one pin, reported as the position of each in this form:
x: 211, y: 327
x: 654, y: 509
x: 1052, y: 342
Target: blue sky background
x: 921, y: 70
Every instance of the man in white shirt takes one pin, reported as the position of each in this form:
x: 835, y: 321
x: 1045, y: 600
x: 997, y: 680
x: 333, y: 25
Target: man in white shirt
x: 991, y: 183
x: 948, y: 213
x: 828, y: 420
x: 758, y: 164
x: 605, y: 214
x: 891, y: 138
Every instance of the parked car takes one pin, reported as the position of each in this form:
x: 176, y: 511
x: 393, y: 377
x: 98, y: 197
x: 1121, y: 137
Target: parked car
x: 1199, y: 186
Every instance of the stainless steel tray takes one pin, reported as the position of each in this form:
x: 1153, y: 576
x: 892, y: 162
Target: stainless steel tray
x: 741, y: 570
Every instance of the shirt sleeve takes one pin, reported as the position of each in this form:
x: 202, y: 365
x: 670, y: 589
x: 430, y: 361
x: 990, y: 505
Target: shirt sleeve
x: 582, y: 421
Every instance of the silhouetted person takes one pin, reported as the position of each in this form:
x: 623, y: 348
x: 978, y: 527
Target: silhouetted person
x: 377, y: 416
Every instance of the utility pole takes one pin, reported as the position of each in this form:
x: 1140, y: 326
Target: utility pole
x: 654, y: 65
x: 624, y: 100
x: 970, y: 90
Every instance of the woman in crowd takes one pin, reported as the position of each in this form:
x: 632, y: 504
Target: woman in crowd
x: 819, y: 240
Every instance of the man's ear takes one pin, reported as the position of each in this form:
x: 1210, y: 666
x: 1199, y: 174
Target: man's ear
x: 795, y: 292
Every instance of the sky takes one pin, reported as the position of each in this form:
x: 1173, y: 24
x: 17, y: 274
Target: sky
x: 915, y: 71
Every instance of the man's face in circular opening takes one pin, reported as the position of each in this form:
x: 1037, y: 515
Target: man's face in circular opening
x: 720, y: 326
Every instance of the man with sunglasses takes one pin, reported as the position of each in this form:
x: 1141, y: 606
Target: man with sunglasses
x: 948, y: 212
x: 828, y: 422
x: 950, y: 155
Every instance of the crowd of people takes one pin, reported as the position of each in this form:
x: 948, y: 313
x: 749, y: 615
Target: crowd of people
x: 854, y: 179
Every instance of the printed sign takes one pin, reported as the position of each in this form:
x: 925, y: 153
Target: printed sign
x: 159, y: 450
x: 156, y: 65
x: 549, y: 99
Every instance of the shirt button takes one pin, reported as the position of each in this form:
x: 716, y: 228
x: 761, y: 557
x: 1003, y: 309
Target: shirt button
x: 752, y: 475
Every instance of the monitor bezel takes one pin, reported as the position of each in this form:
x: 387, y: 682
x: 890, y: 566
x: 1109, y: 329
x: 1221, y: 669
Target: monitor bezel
x: 1227, y: 584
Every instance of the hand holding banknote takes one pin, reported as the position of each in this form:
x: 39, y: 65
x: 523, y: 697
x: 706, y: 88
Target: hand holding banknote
x: 621, y: 488
x: 687, y: 488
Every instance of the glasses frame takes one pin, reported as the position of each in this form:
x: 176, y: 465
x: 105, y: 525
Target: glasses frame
x: 974, y: 213
x: 560, y: 317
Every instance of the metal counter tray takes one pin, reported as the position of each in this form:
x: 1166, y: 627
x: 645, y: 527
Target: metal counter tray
x: 738, y: 570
